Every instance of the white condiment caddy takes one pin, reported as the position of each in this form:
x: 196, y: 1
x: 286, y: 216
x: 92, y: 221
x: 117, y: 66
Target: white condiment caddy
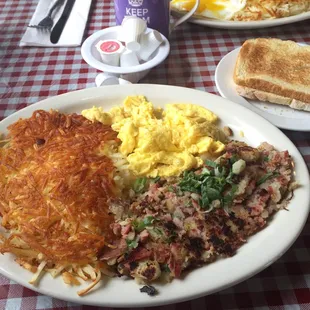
x: 128, y: 64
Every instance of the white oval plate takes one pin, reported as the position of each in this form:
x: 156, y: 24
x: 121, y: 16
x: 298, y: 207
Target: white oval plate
x: 226, y: 24
x: 279, y: 115
x: 272, y: 241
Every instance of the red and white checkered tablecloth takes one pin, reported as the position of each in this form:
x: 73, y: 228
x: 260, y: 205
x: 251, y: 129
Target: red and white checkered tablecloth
x: 28, y: 75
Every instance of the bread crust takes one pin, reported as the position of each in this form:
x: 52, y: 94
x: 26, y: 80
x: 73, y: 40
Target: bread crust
x: 275, y: 67
x: 254, y: 94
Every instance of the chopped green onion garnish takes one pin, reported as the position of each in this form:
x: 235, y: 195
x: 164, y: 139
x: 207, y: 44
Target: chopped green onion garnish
x: 266, y: 177
x: 140, y: 185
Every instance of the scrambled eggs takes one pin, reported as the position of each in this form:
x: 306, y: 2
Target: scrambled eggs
x: 162, y: 143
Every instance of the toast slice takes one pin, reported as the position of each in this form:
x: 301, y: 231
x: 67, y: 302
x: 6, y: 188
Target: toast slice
x: 275, y: 71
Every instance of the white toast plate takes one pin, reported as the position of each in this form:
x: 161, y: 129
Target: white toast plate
x: 272, y: 241
x: 279, y: 115
x: 226, y: 24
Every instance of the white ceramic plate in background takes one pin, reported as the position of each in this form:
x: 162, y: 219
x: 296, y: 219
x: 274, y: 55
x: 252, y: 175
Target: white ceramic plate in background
x: 245, y: 25
x: 280, y: 115
x: 258, y: 253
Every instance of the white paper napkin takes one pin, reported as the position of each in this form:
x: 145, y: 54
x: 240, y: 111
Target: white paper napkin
x: 71, y: 35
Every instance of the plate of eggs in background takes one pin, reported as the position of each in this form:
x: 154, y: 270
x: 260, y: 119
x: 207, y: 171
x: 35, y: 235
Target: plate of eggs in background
x: 243, y: 14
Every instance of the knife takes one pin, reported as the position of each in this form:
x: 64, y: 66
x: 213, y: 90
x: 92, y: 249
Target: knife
x: 60, y: 25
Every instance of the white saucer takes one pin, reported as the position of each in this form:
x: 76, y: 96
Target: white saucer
x: 281, y: 116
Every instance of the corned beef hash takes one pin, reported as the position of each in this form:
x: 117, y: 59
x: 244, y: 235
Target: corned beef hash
x: 73, y: 204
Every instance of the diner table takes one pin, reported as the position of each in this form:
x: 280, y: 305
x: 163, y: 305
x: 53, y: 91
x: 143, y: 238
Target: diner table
x: 30, y: 74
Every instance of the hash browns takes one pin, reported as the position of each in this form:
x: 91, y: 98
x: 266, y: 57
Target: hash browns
x: 256, y: 10
x: 271, y: 9
x: 54, y: 185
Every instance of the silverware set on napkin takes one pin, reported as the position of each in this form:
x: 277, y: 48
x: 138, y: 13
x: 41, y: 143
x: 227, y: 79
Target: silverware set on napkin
x: 46, y: 24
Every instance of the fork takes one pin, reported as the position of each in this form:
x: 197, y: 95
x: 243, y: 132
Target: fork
x: 47, y: 22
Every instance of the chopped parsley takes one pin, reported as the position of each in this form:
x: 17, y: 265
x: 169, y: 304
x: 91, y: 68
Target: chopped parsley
x: 215, y: 182
x: 234, y: 158
x: 140, y: 185
x: 171, y: 189
x: 132, y: 244
x: 172, y: 236
x: 141, y: 225
x: 158, y: 231
x: 210, y: 163
x: 265, y: 158
x: 266, y: 177
x: 165, y: 268
x: 176, y: 190
x: 228, y: 199
x: 155, y: 180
